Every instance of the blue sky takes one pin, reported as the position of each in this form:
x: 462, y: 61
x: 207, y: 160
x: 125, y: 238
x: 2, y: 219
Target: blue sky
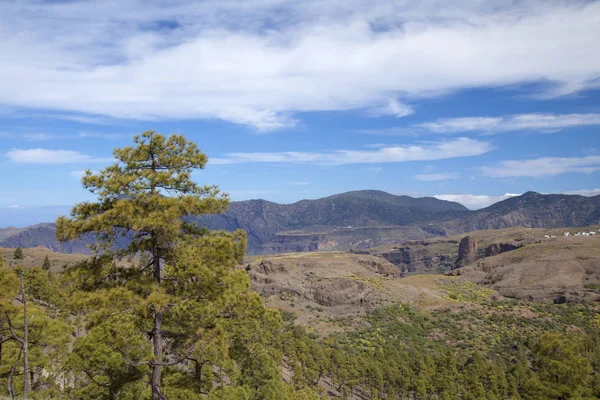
x: 471, y: 101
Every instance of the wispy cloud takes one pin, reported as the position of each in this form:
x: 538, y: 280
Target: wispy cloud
x: 585, y: 192
x: 244, y: 194
x: 393, y: 108
x: 109, y: 136
x: 522, y: 122
x: 46, y: 156
x: 475, y: 201
x: 542, y: 167
x: 39, y: 137
x: 461, y: 147
x: 437, y: 177
x: 95, y: 60
x: 78, y: 174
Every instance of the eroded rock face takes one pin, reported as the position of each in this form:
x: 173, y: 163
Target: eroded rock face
x: 418, y: 257
x: 497, y: 248
x: 467, y: 251
x: 339, y: 291
x: 342, y: 283
x: 415, y: 260
x: 266, y: 267
x: 381, y: 267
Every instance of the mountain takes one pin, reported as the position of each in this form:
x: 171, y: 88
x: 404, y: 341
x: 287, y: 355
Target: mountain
x: 45, y: 235
x: 531, y: 210
x: 10, y: 231
x: 294, y: 226
x: 360, y: 220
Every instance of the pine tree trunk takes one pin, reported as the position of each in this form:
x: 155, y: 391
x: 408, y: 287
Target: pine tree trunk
x: 157, y: 333
x: 26, y: 383
x: 158, y: 356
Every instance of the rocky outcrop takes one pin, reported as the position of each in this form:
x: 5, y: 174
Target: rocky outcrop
x: 380, y: 266
x: 415, y: 259
x: 266, y: 267
x: 340, y: 291
x: 468, y: 251
x: 497, y: 248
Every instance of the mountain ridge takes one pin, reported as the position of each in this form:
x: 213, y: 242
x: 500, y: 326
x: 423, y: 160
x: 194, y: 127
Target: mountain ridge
x: 359, y: 220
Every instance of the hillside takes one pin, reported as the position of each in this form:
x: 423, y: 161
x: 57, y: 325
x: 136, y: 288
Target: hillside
x: 531, y: 210
x: 516, y: 263
x: 557, y: 269
x: 273, y: 227
x: 10, y: 231
x: 34, y: 257
x: 345, y: 315
x: 525, y: 263
x: 359, y: 220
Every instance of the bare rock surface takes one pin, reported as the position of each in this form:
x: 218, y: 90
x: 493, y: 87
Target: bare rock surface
x: 468, y: 250
x: 560, y: 269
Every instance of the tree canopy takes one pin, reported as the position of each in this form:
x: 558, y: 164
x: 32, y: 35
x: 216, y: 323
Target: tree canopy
x: 18, y: 254
x: 187, y: 296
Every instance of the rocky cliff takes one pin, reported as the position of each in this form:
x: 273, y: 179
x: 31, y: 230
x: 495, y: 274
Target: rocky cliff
x: 468, y: 251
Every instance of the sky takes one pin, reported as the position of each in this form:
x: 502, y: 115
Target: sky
x: 471, y: 100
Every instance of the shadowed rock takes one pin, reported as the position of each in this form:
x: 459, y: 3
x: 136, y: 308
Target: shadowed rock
x: 467, y: 251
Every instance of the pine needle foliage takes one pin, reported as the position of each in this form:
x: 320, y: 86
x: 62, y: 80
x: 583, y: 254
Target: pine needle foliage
x: 185, y: 292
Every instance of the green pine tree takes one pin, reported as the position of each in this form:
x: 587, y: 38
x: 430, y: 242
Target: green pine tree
x: 205, y: 302
x: 18, y: 254
x: 47, y: 265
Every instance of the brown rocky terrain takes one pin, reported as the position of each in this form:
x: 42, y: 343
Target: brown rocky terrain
x: 322, y: 288
x: 468, y: 250
x: 440, y: 255
x: 543, y: 270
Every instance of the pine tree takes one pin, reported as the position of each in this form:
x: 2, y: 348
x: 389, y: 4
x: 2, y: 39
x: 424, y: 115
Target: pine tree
x: 145, y: 196
x: 18, y: 254
x: 26, y: 328
x: 25, y: 340
x: 47, y: 265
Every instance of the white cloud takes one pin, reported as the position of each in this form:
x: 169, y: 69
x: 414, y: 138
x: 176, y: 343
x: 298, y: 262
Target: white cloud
x: 35, y: 137
x: 78, y: 174
x: 461, y: 147
x: 375, y: 169
x: 112, y: 59
x: 437, y: 177
x: 542, y: 167
x: 474, y: 201
x: 110, y: 136
x: 46, y: 156
x: 533, y: 122
x: 394, y: 108
x: 245, y: 194
x: 585, y: 192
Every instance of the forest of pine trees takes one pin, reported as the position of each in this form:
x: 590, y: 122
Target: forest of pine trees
x: 181, y: 322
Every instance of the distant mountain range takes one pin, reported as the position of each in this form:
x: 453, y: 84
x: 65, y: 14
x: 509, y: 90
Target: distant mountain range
x: 357, y: 220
